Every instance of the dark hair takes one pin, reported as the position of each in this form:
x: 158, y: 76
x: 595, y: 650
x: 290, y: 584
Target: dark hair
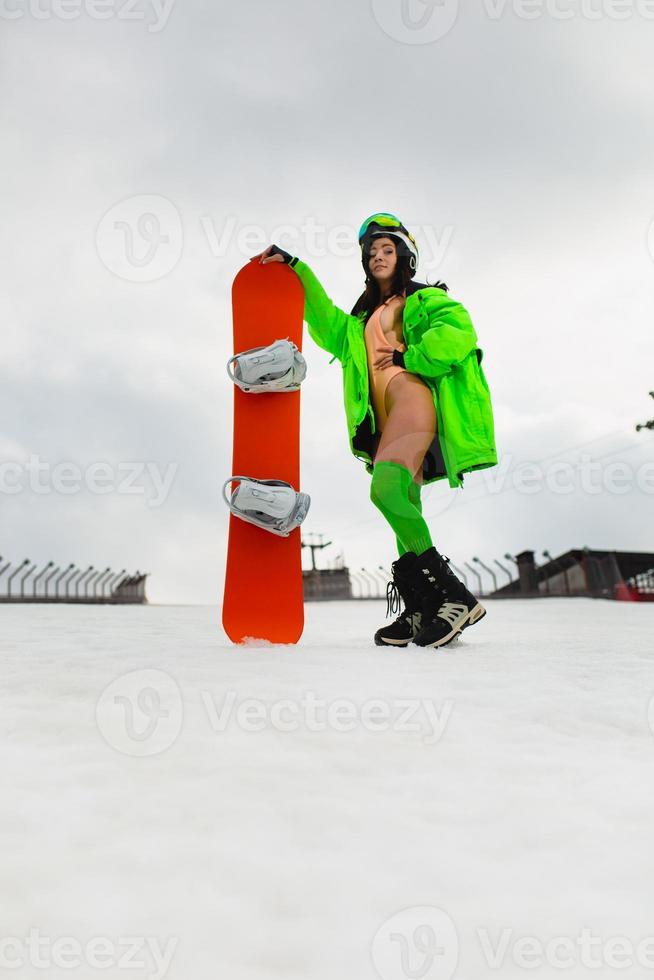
x: 370, y: 298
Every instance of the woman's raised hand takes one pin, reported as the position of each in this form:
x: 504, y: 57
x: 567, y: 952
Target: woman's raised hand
x: 268, y: 255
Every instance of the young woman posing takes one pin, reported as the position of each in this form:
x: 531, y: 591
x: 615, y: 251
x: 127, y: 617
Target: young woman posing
x: 418, y: 410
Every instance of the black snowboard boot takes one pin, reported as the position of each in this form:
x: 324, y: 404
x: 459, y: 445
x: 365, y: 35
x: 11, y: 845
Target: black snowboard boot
x: 448, y: 607
x: 408, y: 623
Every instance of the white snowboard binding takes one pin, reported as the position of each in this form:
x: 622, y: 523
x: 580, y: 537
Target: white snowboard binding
x: 270, y: 504
x: 278, y: 367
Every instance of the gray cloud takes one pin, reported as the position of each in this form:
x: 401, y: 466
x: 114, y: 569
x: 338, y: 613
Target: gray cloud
x: 529, y: 141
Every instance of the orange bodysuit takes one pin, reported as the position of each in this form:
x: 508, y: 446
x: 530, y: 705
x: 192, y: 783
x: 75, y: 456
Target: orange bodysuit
x: 379, y: 378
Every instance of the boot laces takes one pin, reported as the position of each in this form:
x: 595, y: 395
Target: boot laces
x: 392, y: 599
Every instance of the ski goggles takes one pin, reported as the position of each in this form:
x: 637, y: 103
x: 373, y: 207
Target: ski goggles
x: 383, y: 220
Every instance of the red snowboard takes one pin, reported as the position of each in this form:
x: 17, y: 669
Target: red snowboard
x: 263, y: 582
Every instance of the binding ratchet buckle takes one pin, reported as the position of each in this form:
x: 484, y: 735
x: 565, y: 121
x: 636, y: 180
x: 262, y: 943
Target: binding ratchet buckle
x: 278, y: 367
x: 270, y: 504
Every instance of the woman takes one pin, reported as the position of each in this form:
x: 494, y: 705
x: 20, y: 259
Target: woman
x: 418, y: 410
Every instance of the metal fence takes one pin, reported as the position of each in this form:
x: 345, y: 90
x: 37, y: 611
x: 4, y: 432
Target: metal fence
x: 369, y: 583
x: 24, y: 582
x: 575, y: 573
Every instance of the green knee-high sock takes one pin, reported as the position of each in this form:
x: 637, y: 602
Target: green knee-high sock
x: 414, y: 497
x: 389, y: 492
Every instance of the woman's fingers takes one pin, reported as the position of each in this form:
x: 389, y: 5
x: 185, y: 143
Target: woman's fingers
x: 387, y: 358
x: 265, y: 256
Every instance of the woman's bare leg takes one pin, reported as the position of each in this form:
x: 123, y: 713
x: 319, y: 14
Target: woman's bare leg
x: 411, y: 424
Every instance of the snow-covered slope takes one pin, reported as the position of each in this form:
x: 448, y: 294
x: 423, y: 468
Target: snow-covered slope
x: 268, y: 812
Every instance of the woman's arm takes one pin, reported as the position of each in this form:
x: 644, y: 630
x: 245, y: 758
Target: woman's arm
x: 327, y: 323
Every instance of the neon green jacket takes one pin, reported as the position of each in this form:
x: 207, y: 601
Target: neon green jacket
x: 441, y: 347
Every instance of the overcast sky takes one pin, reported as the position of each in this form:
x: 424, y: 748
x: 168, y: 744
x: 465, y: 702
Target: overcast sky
x: 519, y: 149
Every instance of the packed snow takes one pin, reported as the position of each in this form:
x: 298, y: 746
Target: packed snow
x: 175, y: 806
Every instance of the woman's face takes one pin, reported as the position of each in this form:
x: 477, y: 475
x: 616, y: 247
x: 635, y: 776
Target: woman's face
x: 383, y: 258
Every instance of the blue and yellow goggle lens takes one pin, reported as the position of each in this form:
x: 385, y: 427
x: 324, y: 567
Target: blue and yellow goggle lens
x: 382, y: 218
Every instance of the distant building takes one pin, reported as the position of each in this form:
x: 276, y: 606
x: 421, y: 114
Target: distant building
x: 623, y: 575
x: 321, y: 584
